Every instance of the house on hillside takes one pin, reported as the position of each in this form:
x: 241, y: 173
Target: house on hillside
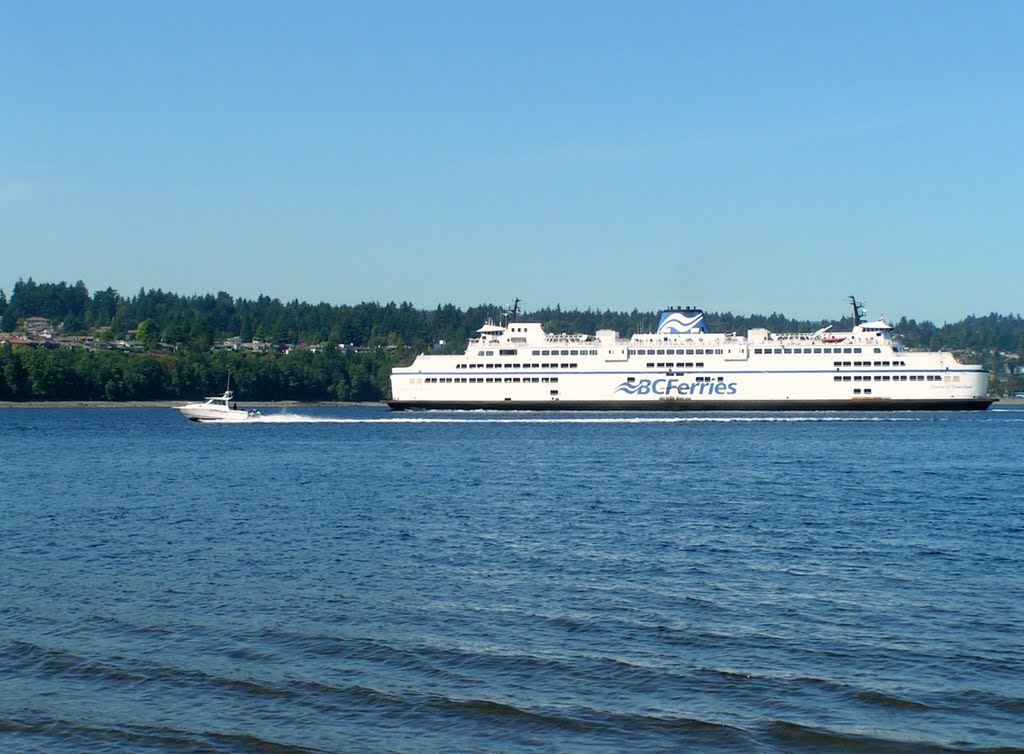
x: 38, y: 328
x: 17, y: 340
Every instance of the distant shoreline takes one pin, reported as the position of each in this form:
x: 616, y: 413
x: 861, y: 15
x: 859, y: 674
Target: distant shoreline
x: 176, y: 403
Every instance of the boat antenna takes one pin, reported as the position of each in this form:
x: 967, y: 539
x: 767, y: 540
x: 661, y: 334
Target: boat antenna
x: 858, y: 310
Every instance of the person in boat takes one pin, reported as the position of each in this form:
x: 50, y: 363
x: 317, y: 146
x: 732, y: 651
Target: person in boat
x: 235, y: 407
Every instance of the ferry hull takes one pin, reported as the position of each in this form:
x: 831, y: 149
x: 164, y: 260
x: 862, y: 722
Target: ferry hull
x: 878, y: 404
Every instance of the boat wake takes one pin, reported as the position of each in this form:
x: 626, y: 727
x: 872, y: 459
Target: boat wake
x: 290, y: 418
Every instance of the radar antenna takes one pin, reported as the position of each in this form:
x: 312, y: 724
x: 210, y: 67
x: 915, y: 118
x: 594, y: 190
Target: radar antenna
x: 513, y: 313
x: 858, y: 310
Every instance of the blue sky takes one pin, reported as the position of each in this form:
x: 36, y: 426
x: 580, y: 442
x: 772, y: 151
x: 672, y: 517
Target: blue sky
x: 740, y: 156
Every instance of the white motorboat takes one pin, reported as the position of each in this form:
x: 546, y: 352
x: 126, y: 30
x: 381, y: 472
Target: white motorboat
x: 219, y: 408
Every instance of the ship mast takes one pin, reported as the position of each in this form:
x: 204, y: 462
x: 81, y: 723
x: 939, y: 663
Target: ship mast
x: 858, y: 310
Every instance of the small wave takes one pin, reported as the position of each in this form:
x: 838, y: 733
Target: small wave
x: 687, y: 733
x: 62, y: 663
x: 120, y: 670
x: 371, y: 697
x: 1014, y: 704
x: 117, y: 626
x: 48, y: 734
x: 790, y: 736
x: 731, y: 675
x: 503, y: 710
x: 882, y: 699
x: 248, y: 742
x: 869, y: 696
x: 601, y: 722
x: 323, y: 694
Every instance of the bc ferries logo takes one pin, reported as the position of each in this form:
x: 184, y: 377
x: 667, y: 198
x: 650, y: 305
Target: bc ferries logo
x: 681, y: 323
x: 671, y: 386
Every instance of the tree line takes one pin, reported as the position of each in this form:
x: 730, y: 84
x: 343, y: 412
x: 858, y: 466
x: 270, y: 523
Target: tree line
x: 199, y: 321
x: 42, y: 374
x: 186, y: 327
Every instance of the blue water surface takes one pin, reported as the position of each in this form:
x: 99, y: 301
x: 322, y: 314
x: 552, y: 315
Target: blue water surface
x: 352, y: 580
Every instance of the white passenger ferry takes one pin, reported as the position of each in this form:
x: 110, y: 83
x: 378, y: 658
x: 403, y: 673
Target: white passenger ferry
x: 683, y: 367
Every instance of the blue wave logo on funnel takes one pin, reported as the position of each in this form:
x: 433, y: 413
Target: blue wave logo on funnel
x: 681, y: 323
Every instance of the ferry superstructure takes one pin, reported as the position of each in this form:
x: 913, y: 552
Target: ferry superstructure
x: 684, y: 367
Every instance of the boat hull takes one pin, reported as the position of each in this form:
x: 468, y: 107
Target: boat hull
x: 231, y: 416
x: 877, y: 404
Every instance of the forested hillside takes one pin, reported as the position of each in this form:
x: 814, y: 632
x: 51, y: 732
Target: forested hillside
x: 334, y: 352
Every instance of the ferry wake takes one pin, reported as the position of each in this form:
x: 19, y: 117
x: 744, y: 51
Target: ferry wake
x: 684, y: 367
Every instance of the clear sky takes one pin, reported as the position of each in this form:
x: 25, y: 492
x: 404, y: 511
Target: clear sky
x: 740, y: 156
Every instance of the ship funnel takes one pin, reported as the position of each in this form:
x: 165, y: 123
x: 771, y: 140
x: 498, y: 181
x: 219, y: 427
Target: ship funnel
x: 682, y: 322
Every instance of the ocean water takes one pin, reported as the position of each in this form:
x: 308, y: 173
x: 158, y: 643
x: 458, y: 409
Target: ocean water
x: 351, y: 580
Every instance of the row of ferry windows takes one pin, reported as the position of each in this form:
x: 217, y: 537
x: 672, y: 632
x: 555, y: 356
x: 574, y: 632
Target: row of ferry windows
x: 869, y: 363
x: 810, y: 350
x: 887, y: 378
x: 545, y: 352
x: 432, y: 380
x: 517, y: 366
x: 674, y: 351
x: 669, y: 364
x: 767, y: 351
x: 632, y: 352
x: 667, y: 351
